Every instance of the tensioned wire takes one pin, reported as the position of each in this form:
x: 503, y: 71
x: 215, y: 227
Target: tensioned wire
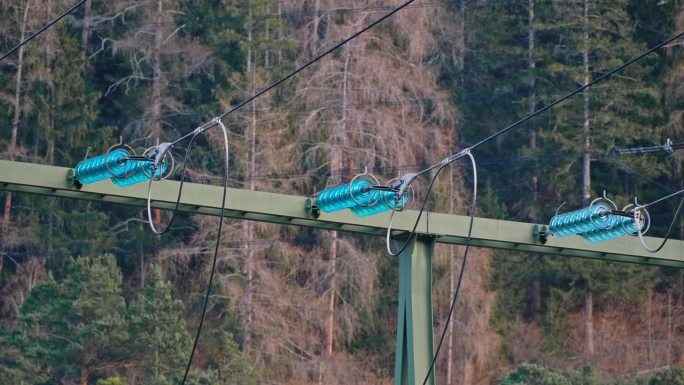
x: 217, y: 121
x: 306, y: 65
x: 455, y: 156
x: 537, y: 112
x: 43, y: 29
x: 267, y: 89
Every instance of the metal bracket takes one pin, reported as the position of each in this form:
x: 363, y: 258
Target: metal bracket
x: 312, y: 208
x: 71, y: 179
x: 540, y: 233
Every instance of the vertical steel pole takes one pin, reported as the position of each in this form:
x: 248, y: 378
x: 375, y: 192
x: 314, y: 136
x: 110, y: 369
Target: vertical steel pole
x: 414, y: 317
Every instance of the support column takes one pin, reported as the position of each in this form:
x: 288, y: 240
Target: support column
x: 414, y: 318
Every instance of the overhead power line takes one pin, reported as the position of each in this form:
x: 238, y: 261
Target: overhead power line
x: 403, y: 183
x: 45, y: 27
x: 160, y: 151
x: 298, y: 70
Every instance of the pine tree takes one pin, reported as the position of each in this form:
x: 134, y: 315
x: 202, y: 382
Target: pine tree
x: 74, y: 328
x: 158, y: 334
x: 593, y: 40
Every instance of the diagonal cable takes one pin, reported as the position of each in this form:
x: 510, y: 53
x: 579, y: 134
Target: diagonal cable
x: 43, y: 29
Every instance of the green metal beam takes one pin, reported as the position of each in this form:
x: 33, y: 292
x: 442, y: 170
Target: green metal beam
x: 414, y: 350
x: 295, y: 210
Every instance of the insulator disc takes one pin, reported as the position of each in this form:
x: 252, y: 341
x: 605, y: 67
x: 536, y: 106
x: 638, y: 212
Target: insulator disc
x: 623, y: 226
x: 101, y: 167
x: 596, y: 216
x: 385, y: 202
x: 345, y: 196
x: 138, y: 171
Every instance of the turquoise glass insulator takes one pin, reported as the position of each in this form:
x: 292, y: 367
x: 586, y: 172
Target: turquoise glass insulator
x: 595, y: 217
x: 384, y: 201
x: 623, y: 226
x: 137, y: 171
x: 101, y: 167
x: 345, y: 196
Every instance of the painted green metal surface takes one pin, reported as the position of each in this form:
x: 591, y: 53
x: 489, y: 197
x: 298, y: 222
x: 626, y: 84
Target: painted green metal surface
x: 295, y: 210
x: 414, y: 349
x: 414, y: 321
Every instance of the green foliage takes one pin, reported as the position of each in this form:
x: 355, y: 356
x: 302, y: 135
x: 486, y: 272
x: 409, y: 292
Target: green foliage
x: 234, y: 368
x: 74, y: 324
x: 534, y: 374
x: 670, y: 376
x: 78, y: 317
x: 490, y: 205
x: 111, y: 381
x: 158, y: 335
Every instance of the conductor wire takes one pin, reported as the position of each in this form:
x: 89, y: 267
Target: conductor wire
x: 216, y: 121
x: 552, y: 104
x: 667, y: 235
x: 178, y: 197
x: 674, y: 194
x: 580, y: 89
x: 460, y: 274
x: 306, y: 65
x: 45, y: 27
x: 440, y: 166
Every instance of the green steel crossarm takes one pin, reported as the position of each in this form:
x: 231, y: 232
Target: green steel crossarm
x: 295, y: 210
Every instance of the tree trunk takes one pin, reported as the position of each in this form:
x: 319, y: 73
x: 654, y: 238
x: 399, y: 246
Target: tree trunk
x: 17, y: 115
x: 586, y: 157
x: 248, y: 226
x: 649, y: 328
x: 330, y: 316
x: 589, y: 324
x: 668, y: 355
x: 468, y: 372
x: 280, y: 30
x: 337, y: 163
x: 460, y: 64
x: 461, y: 41
x: 84, y: 369
x: 535, y: 296
x: 85, y: 34
x: 157, y: 88
x: 315, y: 24
x: 157, y: 74
x: 49, y: 58
x: 531, y: 65
x: 141, y: 252
x: 248, y: 232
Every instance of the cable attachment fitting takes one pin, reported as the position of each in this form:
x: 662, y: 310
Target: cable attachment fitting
x: 402, y: 184
x: 448, y: 160
x: 157, y: 154
x: 200, y: 130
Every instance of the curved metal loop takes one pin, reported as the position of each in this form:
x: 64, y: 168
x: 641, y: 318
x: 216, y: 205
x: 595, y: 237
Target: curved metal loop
x: 169, y: 169
x: 180, y: 189
x: 642, y: 220
x: 640, y: 234
x: 374, y: 181
x: 412, y: 233
x: 149, y: 175
x: 636, y: 203
x: 604, y: 198
x: 395, y: 206
x: 558, y: 209
x: 411, y: 199
x: 130, y: 150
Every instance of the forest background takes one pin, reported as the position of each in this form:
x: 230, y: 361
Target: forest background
x: 88, y: 295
